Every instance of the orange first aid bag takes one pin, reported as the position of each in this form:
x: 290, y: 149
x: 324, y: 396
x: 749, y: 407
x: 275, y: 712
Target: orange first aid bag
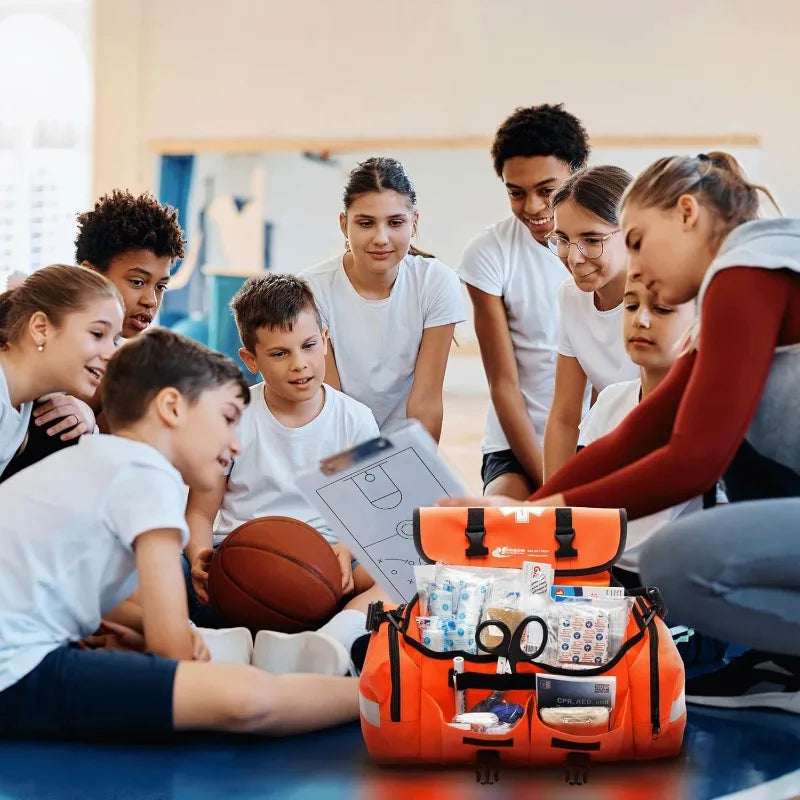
x: 407, y: 694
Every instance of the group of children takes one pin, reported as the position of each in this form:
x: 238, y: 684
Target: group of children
x: 661, y: 302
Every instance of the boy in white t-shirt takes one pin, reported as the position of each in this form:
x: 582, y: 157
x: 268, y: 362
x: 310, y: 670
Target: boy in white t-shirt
x: 652, y: 335
x: 513, y: 281
x: 293, y: 421
x: 80, y: 528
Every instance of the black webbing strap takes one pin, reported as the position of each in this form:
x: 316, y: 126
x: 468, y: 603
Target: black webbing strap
x: 475, y: 533
x: 568, y: 745
x: 485, y: 680
x: 565, y: 534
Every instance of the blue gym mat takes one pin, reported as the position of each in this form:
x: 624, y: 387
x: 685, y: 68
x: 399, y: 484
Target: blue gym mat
x: 725, y: 752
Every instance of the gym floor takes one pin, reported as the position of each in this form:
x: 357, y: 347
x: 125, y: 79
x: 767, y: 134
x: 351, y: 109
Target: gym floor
x: 748, y: 754
x: 726, y: 754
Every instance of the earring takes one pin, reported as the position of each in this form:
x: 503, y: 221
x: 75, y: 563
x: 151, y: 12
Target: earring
x: 346, y: 245
x: 40, y: 348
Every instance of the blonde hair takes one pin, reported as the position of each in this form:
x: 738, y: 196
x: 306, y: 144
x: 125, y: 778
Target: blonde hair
x: 716, y: 179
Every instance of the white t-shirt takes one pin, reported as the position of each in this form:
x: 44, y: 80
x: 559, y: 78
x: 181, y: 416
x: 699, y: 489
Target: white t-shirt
x: 67, y: 529
x: 593, y: 337
x: 13, y: 424
x: 262, y: 479
x: 613, y: 404
x: 376, y: 342
x: 506, y: 261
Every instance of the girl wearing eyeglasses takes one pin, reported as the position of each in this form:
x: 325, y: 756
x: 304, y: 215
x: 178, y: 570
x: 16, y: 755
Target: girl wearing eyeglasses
x: 586, y: 237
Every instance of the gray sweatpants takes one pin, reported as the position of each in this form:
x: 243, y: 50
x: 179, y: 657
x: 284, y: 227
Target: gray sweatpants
x: 733, y: 572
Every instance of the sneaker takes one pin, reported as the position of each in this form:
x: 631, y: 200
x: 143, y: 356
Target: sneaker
x: 310, y: 651
x: 753, y: 680
x: 228, y: 645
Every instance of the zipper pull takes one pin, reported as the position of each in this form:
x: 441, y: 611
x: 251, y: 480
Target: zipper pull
x: 487, y: 767
x: 576, y: 770
x: 656, y: 730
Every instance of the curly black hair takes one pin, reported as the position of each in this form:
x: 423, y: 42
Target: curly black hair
x: 541, y: 131
x: 120, y: 222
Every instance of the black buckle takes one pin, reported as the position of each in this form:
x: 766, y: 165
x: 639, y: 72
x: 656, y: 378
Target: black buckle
x: 576, y: 771
x: 475, y: 533
x: 565, y: 534
x: 656, y: 601
x: 375, y: 616
x: 487, y: 767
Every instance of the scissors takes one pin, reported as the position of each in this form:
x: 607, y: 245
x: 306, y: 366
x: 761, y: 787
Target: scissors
x: 510, y: 646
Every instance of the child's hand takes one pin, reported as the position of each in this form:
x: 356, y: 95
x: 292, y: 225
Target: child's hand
x: 75, y: 416
x: 346, y: 565
x: 113, y: 636
x: 199, y: 648
x: 200, y: 566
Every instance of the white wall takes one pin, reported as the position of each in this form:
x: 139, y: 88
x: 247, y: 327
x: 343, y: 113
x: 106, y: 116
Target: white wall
x: 352, y: 68
x: 457, y: 196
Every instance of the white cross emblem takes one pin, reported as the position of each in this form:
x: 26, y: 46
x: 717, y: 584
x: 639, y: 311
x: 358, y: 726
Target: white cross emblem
x: 522, y: 514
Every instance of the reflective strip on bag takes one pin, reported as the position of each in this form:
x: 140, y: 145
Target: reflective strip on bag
x: 678, y: 707
x: 370, y: 711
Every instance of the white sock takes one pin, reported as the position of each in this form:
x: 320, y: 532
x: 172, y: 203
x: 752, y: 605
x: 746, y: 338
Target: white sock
x: 346, y: 627
x: 232, y: 645
x: 310, y: 651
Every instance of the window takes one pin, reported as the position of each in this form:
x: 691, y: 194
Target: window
x: 45, y: 169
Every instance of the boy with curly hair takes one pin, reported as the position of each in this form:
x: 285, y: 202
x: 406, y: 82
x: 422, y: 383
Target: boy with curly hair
x: 513, y: 281
x: 134, y: 241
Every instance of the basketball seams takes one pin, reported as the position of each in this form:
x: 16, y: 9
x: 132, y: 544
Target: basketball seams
x: 307, y: 567
x: 276, y: 560
x: 256, y: 602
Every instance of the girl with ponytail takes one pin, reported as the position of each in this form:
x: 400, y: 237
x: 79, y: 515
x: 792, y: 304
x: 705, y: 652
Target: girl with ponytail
x: 390, y: 308
x: 57, y: 331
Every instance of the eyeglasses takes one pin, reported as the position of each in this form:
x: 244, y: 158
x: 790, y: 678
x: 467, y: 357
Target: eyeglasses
x: 589, y: 246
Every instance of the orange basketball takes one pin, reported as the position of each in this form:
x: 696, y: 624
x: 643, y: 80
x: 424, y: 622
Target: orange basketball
x: 275, y: 573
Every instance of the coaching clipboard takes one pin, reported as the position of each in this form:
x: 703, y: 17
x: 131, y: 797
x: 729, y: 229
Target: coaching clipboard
x: 368, y: 495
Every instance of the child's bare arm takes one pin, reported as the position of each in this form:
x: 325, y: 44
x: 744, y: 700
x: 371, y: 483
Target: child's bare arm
x: 162, y: 594
x: 128, y: 613
x: 561, y: 431
x: 331, y: 370
x: 201, y: 509
x: 425, y: 399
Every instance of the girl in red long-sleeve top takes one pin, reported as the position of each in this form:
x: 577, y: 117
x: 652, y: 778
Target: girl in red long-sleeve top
x: 729, y: 407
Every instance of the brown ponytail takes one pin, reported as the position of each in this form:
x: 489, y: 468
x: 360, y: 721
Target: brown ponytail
x: 6, y: 307
x: 55, y: 291
x: 716, y: 179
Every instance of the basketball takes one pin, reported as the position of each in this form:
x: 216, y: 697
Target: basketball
x: 275, y: 573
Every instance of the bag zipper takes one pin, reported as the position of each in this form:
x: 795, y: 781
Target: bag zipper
x: 394, y: 673
x: 654, y: 681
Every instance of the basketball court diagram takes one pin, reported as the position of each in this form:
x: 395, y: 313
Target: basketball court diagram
x: 375, y: 506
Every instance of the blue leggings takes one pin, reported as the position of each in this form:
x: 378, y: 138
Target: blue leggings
x: 733, y: 572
